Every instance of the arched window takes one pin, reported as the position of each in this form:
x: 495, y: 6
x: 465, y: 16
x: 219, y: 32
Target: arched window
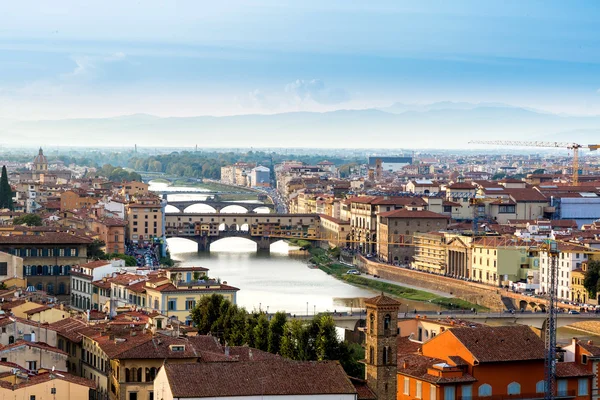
x: 387, y: 321
x: 153, y: 371
x: 127, y: 377
x: 371, y: 355
x: 139, y: 375
x: 485, y: 390
x: 514, y: 388
x: 372, y: 324
x: 540, y: 387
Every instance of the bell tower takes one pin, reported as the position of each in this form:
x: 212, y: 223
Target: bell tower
x: 380, y: 346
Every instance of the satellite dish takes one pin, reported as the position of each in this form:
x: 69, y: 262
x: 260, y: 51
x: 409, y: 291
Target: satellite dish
x: 53, y: 368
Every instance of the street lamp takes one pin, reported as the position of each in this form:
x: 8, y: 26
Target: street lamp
x: 314, y: 310
x: 307, y: 308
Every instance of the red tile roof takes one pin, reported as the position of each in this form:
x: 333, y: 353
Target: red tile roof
x: 45, y: 238
x: 382, y: 300
x: 46, y: 377
x: 266, y: 378
x: 501, y: 343
x: 571, y: 369
x: 404, y: 213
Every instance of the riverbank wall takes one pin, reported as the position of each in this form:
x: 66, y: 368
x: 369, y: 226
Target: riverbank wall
x: 485, y: 296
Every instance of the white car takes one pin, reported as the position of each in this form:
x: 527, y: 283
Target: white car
x: 353, y: 272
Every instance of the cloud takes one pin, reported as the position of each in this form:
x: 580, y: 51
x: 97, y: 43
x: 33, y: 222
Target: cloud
x: 316, y: 90
x: 90, y: 67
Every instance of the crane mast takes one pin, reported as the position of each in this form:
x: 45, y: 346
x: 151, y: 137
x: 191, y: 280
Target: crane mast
x: 550, y: 331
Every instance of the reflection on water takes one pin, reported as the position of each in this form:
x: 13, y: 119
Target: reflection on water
x: 279, y: 281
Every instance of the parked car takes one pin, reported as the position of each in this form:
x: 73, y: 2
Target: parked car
x: 353, y: 272
x: 574, y: 312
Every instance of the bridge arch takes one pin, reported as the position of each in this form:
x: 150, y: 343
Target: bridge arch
x: 203, y: 207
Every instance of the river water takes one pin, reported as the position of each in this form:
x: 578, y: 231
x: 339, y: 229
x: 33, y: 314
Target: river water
x: 276, y: 282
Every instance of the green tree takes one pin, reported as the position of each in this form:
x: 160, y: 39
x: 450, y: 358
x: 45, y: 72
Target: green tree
x: 206, y: 314
x: 130, y: 261
x: 276, y: 327
x: 327, y: 340
x: 251, y: 322
x: 539, y: 171
x: 591, y: 280
x: 295, y: 340
x: 28, y: 219
x: 261, y: 333
x: 5, y: 191
x: 234, y: 325
x: 94, y: 249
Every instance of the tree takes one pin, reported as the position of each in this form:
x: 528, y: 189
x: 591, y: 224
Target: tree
x: 5, y: 191
x: 28, y: 219
x: 591, y: 280
x: 251, y: 322
x: 94, y: 249
x: 327, y: 340
x: 295, y: 340
x: 261, y: 332
x: 276, y: 327
x: 206, y: 313
x: 539, y: 171
x: 130, y: 261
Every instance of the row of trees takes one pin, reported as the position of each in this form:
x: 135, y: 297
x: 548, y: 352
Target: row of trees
x: 5, y: 191
x: 118, y: 174
x: 298, y: 340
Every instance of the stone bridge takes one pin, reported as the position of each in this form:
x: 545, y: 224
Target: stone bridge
x: 263, y: 229
x: 218, y: 205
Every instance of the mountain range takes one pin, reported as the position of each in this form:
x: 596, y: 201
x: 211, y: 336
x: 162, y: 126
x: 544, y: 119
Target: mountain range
x: 436, y: 126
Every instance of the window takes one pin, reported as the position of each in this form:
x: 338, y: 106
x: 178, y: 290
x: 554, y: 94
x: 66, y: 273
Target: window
x: 32, y: 365
x: 53, y: 390
x: 582, y: 387
x: 467, y: 392
x: 3, y: 268
x: 485, y: 390
x: 583, y: 358
x: 133, y: 396
x: 406, y: 386
x: 32, y: 397
x: 150, y: 395
x: 172, y: 305
x: 372, y: 324
x: 387, y: 322
x: 539, y: 387
x: 432, y: 392
x: 514, y: 388
x: 561, y: 387
x: 449, y: 392
x: 190, y: 304
x: 371, y: 355
x: 419, y: 394
x: 385, y: 355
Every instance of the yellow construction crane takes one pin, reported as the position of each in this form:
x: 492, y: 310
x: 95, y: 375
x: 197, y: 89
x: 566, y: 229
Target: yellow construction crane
x: 571, y: 146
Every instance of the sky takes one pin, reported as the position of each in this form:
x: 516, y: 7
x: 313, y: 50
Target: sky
x: 77, y: 59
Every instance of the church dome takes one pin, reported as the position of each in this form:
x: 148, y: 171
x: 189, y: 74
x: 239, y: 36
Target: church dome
x: 40, y: 158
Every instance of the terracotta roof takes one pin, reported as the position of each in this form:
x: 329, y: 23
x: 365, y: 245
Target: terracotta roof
x: 267, y: 378
x: 571, y: 369
x: 69, y: 328
x: 37, y: 310
x: 362, y: 389
x: 160, y: 347
x: 46, y: 377
x: 39, y: 345
x: 461, y: 186
x: 382, y: 300
x: 332, y: 219
x: 590, y: 348
x: 404, y: 213
x: 501, y: 343
x: 526, y: 195
x: 45, y: 238
x: 417, y: 365
x: 96, y: 264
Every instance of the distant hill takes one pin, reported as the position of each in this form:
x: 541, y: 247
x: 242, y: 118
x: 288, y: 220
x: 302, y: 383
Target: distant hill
x: 438, y: 125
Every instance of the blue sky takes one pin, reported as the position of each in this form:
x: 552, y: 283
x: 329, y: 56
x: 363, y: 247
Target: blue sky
x: 68, y: 58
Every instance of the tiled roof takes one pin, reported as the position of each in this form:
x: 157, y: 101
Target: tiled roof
x: 362, y: 389
x: 96, y: 264
x: 45, y: 238
x: 46, y: 377
x: 571, y: 369
x: 501, y: 343
x: 37, y: 310
x: 69, y: 328
x: 524, y: 195
x: 382, y: 300
x: 266, y: 378
x: 590, y: 348
x: 417, y: 365
x: 160, y: 347
x: 404, y: 213
x: 39, y: 345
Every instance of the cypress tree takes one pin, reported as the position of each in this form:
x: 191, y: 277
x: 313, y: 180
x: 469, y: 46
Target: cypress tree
x: 5, y: 191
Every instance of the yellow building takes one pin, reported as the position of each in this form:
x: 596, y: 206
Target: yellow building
x: 144, y: 219
x: 335, y: 231
x: 70, y: 200
x: 34, y: 356
x: 430, y: 252
x: 578, y: 293
x: 47, y: 385
x: 134, y: 188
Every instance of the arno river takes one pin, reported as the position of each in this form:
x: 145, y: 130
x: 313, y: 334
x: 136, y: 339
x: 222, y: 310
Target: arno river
x: 282, y: 281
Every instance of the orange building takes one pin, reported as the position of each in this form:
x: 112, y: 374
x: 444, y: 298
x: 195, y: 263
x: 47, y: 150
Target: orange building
x: 112, y: 232
x: 144, y: 219
x: 134, y: 188
x: 70, y: 200
x: 495, y: 362
x: 587, y: 355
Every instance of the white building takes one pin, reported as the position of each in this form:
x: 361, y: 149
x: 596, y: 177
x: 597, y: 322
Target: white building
x: 260, y: 176
x: 569, y: 258
x: 83, y: 276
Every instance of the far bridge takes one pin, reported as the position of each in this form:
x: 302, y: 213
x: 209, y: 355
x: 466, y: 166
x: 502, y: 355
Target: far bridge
x: 263, y: 229
x: 217, y: 205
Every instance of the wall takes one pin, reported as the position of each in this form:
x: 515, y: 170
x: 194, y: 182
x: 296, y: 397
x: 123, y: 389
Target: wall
x: 44, y: 358
x: 64, y: 390
x: 486, y: 296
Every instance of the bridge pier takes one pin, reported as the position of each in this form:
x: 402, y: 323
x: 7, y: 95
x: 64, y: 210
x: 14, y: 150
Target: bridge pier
x: 263, y: 245
x: 203, y: 244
